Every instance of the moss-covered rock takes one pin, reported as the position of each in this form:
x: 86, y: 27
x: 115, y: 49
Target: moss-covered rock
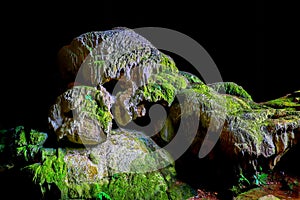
x: 120, y: 71
x: 98, y: 57
x: 191, y: 78
x: 121, y: 56
x: 128, y: 165
x: 287, y: 102
x: 82, y: 114
x: 161, y: 88
x: 230, y: 88
x: 249, y: 131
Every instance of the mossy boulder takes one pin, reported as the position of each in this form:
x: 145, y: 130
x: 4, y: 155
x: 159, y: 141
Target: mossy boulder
x: 128, y: 165
x: 263, y: 132
x: 229, y: 122
x: 118, y: 76
x: 82, y: 114
x: 141, y: 76
x: 99, y: 57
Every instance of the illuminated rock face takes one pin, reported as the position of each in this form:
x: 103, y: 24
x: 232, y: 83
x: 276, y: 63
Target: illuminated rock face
x: 250, y: 134
x: 82, y: 114
x: 118, y: 76
x: 105, y: 55
x: 137, y: 75
x: 125, y: 166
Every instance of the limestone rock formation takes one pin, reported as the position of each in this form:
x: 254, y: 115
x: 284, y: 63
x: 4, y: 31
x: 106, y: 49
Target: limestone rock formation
x: 82, y: 114
x: 247, y: 131
x: 118, y: 76
x: 138, y: 76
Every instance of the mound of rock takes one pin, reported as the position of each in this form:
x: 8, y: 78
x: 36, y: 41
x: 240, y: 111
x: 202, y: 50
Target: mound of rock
x: 111, y: 145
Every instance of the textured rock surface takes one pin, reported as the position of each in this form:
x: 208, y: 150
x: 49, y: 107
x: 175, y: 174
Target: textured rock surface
x: 82, y: 114
x: 128, y: 165
x: 230, y: 88
x: 222, y: 113
x: 141, y: 71
x: 112, y: 54
x: 119, y: 76
x: 249, y: 131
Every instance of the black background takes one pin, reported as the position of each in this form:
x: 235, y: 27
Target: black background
x: 251, y: 43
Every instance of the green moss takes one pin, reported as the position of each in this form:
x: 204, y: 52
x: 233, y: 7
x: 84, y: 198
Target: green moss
x: 283, y: 103
x: 95, y: 106
x: 168, y: 64
x: 209, y: 100
x: 80, y: 191
x: 37, y: 137
x: 231, y: 89
x: 235, y: 105
x: 20, y: 136
x: 155, y: 92
x: 181, y: 191
x: 93, y: 103
x: 289, y: 102
x: 105, y: 119
x: 195, y: 99
x: 136, y: 186
x: 52, y: 170
x: 242, y: 122
x: 131, y: 186
x: 55, y: 170
x: 203, y: 89
x: 164, y: 83
x: 25, y: 145
x: 161, y: 87
x: 191, y: 78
